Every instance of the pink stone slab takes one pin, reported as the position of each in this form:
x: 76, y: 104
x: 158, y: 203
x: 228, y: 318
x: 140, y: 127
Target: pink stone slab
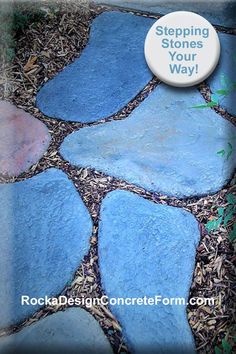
x: 23, y: 139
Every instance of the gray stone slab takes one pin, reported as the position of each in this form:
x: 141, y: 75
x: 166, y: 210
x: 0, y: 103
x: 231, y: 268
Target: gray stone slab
x: 223, y: 80
x: 165, y: 145
x: 73, y: 331
x: 148, y: 250
x: 23, y: 139
x: 218, y: 12
x: 45, y: 230
x: 109, y: 73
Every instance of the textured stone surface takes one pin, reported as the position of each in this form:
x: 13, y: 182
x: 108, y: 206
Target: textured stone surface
x: 109, y: 73
x: 45, y: 230
x: 23, y: 139
x: 217, y: 12
x: 224, y: 77
x: 73, y: 331
x: 147, y: 249
x: 164, y: 145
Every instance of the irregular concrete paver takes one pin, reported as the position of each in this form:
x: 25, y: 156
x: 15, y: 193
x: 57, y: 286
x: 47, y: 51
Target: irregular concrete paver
x: 109, y: 73
x: 148, y: 250
x: 23, y: 139
x: 224, y: 77
x: 45, y: 230
x: 165, y: 145
x: 217, y: 12
x: 72, y: 331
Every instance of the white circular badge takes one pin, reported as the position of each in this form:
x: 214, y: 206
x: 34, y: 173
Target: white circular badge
x: 182, y: 48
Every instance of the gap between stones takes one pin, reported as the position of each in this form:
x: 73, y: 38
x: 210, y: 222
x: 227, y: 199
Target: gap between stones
x: 205, y: 91
x: 203, y: 88
x: 105, y: 7
x: 93, y: 187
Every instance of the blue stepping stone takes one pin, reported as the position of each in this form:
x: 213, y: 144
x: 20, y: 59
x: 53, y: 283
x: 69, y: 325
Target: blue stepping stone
x: 45, y: 230
x: 217, y: 12
x: 109, y: 73
x: 148, y: 250
x: 165, y: 145
x: 73, y: 331
x: 223, y: 80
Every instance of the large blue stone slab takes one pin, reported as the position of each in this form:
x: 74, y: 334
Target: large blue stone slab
x: 109, y: 73
x: 73, y: 331
x: 218, y: 12
x: 165, y: 145
x: 223, y: 80
x: 148, y: 250
x: 44, y: 233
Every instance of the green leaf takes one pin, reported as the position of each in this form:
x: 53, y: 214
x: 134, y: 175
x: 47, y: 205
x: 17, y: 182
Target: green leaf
x: 208, y: 104
x: 221, y: 211
x: 222, y: 92
x: 228, y: 154
x: 215, y: 98
x: 200, y: 106
x: 226, y: 346
x: 230, y: 150
x: 217, y: 350
x: 212, y: 104
x: 232, y: 235
x: 213, y: 224
x: 231, y: 199
x: 221, y: 152
x: 228, y: 215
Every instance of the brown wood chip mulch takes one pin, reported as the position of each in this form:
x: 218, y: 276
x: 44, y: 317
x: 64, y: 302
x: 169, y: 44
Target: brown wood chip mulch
x: 42, y: 51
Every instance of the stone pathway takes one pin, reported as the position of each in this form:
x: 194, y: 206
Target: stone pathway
x: 159, y: 149
x: 222, y: 81
x: 217, y: 12
x: 45, y: 230
x: 153, y: 256
x: 23, y: 140
x: 113, y: 62
x: 167, y: 145
x: 73, y: 331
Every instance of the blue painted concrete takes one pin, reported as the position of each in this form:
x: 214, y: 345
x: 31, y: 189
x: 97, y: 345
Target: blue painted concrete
x: 224, y: 77
x: 218, y: 12
x: 148, y: 250
x: 45, y: 230
x: 73, y: 331
x: 109, y: 73
x: 165, y: 145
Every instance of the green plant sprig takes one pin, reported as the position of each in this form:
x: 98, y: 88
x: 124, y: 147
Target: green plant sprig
x: 227, y: 87
x: 226, y: 153
x: 225, y: 216
x: 226, y: 348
